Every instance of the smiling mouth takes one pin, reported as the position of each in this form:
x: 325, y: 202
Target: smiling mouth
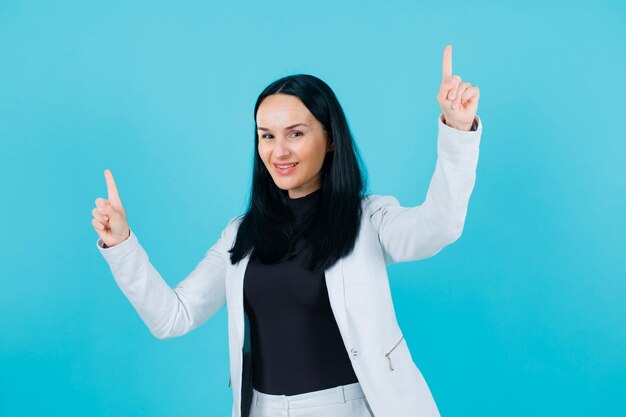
x: 285, y: 168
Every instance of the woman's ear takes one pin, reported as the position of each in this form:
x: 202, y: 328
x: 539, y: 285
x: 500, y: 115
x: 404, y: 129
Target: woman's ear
x: 330, y: 146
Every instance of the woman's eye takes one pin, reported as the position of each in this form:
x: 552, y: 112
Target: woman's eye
x: 296, y: 132
x: 266, y: 136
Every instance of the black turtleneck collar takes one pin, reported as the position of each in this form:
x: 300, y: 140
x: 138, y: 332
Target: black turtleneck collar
x: 301, y: 205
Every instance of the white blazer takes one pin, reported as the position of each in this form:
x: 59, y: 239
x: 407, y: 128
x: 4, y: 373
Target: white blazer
x: 357, y: 284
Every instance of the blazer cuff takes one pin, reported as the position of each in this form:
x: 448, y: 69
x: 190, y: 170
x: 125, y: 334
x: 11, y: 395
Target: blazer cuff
x: 454, y: 143
x: 121, y: 251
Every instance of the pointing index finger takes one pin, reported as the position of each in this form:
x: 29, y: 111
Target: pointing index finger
x: 111, y: 187
x: 447, y: 63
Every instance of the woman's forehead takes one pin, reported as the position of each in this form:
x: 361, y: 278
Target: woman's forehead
x: 282, y: 110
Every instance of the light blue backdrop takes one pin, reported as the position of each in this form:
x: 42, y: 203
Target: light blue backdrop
x: 523, y: 316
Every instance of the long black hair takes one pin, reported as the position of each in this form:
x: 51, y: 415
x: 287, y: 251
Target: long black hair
x: 266, y: 230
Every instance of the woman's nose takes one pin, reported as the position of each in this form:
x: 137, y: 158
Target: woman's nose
x: 281, y: 148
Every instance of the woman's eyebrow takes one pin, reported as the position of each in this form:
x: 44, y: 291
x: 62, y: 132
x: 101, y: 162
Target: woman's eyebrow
x: 287, y: 128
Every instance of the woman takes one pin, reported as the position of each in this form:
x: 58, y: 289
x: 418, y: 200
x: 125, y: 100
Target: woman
x: 312, y: 329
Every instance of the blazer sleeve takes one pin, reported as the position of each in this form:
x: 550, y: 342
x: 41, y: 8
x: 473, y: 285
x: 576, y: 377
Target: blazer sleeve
x: 170, y: 312
x: 413, y: 233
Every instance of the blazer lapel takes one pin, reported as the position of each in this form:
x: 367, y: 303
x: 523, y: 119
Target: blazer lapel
x: 235, y: 298
x: 336, y: 296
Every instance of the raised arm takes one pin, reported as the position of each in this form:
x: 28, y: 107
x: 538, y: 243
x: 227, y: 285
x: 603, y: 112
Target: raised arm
x: 412, y: 233
x: 168, y: 312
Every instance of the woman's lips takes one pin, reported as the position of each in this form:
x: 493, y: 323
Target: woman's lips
x: 285, y: 171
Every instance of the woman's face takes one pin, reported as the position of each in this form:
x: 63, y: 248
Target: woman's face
x: 289, y: 134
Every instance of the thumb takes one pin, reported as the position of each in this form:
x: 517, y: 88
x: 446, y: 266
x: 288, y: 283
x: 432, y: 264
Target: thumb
x: 115, y: 213
x: 117, y: 222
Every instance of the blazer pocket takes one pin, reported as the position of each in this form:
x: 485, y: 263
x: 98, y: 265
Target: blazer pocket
x: 388, y: 354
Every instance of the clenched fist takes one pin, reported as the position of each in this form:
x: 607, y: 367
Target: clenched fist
x: 109, y: 215
x: 458, y: 100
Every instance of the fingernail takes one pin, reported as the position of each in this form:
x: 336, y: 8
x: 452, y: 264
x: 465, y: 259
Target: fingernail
x: 453, y: 105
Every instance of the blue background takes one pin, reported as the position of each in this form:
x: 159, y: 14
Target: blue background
x: 523, y: 316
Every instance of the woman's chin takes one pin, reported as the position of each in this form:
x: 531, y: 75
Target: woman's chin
x: 284, y: 185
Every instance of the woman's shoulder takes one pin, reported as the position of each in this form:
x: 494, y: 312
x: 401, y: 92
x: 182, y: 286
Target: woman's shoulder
x: 229, y: 232
x: 375, y: 202
x: 234, y: 222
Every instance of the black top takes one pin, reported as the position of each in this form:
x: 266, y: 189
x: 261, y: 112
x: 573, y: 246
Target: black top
x: 296, y: 344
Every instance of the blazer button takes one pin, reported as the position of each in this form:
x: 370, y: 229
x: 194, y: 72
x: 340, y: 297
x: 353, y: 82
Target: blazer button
x: 354, y: 352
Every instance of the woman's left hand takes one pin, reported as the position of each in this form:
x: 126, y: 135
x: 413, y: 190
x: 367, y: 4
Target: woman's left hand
x: 458, y: 100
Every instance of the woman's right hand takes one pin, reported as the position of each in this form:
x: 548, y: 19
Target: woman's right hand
x: 109, y: 215
x: 458, y: 100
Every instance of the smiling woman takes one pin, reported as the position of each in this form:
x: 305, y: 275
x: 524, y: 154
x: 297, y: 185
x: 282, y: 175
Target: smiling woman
x: 303, y: 144
x: 294, y: 157
x: 311, y: 324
